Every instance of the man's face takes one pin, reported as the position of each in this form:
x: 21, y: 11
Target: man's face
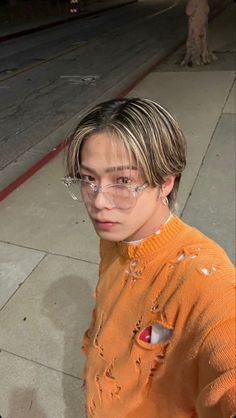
x: 104, y: 160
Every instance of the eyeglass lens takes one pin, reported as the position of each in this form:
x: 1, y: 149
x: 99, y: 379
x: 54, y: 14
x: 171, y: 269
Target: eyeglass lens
x: 119, y: 195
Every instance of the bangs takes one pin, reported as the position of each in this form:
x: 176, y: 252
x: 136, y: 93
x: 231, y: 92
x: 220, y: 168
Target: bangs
x: 123, y: 148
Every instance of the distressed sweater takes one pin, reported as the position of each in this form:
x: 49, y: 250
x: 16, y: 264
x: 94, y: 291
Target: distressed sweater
x: 178, y: 286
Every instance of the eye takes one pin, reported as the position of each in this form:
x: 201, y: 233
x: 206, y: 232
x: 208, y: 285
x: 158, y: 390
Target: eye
x: 87, y: 177
x: 124, y: 180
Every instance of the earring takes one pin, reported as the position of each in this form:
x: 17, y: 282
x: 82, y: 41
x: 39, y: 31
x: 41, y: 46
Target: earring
x: 165, y: 201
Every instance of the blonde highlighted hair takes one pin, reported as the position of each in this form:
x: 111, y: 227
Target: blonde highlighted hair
x: 148, y: 132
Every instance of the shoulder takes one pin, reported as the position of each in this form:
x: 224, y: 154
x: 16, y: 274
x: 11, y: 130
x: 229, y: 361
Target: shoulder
x: 207, y: 283
x: 202, y: 281
x: 200, y: 251
x: 206, y: 259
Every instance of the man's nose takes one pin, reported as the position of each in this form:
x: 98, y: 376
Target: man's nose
x: 100, y: 201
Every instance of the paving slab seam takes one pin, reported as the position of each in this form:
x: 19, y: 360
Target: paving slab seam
x: 204, y: 156
x: 191, y: 190
x: 24, y: 281
x: 198, y: 172
x: 40, y: 364
x: 230, y: 90
x: 49, y: 253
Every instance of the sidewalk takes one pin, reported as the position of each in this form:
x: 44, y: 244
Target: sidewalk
x: 49, y: 252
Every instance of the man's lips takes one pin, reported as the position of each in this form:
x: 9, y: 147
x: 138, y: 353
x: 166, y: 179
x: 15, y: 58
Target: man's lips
x: 104, y: 223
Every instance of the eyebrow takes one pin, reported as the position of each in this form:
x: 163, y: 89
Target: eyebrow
x: 111, y: 169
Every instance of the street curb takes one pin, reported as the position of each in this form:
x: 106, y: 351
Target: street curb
x: 24, y: 32
x: 32, y: 170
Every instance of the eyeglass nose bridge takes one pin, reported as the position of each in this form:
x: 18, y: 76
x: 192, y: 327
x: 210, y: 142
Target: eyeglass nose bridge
x: 102, y: 189
x: 97, y: 189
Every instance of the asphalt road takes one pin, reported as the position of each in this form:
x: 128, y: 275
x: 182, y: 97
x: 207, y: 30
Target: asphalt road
x: 47, y: 79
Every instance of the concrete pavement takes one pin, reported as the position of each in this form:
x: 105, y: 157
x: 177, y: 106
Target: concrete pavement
x: 49, y: 252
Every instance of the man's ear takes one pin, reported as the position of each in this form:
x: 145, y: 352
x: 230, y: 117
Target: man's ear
x: 167, y: 186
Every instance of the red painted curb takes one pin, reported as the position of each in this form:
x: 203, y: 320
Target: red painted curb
x: 32, y: 170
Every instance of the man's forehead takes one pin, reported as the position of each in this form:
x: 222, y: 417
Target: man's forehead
x: 109, y: 151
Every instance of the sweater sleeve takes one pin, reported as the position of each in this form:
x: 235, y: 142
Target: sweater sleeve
x: 87, y: 334
x: 217, y: 379
x: 86, y: 337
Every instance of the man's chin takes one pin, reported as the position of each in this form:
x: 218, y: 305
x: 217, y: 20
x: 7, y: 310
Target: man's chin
x: 110, y: 235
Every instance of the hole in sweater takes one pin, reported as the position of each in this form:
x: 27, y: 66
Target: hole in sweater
x: 137, y: 327
x: 118, y: 389
x: 126, y: 277
x: 157, y: 362
x: 100, y: 349
x: 137, y: 274
x: 109, y: 372
x: 136, y: 271
x: 155, y: 305
x: 138, y: 364
x: 133, y: 264
x: 154, y: 367
x: 92, y: 408
x: 153, y: 370
x: 206, y: 271
x: 116, y: 392
x: 97, y: 380
x: 96, y: 338
x: 181, y: 257
x: 138, y: 361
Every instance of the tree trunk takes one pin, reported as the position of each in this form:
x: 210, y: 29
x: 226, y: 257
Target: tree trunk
x: 197, y: 51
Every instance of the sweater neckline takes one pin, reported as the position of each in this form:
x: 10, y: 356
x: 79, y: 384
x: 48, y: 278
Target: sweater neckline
x: 154, y: 242
x: 137, y: 242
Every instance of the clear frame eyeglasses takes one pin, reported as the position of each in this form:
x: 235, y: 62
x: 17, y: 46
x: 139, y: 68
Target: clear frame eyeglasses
x: 121, y: 196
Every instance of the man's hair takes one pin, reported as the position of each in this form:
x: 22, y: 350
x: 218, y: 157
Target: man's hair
x: 147, y: 130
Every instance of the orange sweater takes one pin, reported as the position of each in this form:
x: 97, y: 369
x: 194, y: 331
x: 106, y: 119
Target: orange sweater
x: 180, y: 285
